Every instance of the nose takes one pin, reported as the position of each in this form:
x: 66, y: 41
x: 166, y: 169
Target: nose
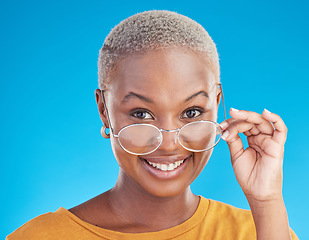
x: 169, y: 127
x: 169, y: 142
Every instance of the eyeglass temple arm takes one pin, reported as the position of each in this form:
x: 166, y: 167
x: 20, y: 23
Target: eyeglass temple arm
x: 220, y: 84
x: 108, y: 119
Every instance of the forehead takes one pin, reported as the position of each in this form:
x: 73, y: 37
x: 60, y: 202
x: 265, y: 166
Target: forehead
x: 163, y: 74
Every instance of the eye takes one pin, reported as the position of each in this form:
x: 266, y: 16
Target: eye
x: 192, y: 113
x: 141, y: 114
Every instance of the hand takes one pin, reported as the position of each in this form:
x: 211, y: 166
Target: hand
x: 258, y: 168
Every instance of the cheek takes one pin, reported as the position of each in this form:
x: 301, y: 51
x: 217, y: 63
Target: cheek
x: 125, y: 160
x: 119, y: 153
x: 201, y: 159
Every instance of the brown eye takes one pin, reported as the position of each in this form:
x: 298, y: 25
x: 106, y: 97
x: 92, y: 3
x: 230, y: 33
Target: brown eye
x: 192, y: 113
x: 142, y: 114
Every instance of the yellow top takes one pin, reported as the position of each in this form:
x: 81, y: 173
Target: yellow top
x: 212, y: 220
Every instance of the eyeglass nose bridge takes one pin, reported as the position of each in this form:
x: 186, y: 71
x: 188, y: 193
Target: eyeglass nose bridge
x: 171, y: 131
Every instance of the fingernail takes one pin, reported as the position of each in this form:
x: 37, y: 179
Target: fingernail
x: 234, y: 109
x: 225, y: 135
x: 267, y: 110
x: 223, y: 125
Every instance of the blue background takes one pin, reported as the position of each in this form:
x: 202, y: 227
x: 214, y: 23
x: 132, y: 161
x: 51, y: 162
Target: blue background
x: 52, y: 153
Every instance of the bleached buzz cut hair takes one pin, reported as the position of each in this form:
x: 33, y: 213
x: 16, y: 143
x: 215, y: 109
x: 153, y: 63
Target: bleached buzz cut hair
x: 153, y: 30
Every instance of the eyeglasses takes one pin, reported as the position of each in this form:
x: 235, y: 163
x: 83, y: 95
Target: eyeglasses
x: 142, y: 139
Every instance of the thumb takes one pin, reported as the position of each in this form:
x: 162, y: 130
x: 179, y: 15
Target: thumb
x: 235, y: 145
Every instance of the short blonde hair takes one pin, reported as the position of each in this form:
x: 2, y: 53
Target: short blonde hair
x: 152, y: 30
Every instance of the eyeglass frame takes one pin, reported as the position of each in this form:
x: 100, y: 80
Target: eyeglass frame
x: 161, y: 130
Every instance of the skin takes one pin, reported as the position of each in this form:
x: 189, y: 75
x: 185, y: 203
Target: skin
x: 165, y: 84
x: 258, y: 168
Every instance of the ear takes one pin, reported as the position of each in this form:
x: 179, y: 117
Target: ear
x: 102, y: 111
x: 219, y: 94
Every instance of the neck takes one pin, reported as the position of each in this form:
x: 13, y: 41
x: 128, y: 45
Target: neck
x: 138, y: 208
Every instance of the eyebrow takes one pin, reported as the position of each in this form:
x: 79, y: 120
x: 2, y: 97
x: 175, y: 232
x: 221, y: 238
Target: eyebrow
x: 132, y: 94
x: 203, y: 93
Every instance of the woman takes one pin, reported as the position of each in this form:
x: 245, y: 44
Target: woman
x: 158, y: 101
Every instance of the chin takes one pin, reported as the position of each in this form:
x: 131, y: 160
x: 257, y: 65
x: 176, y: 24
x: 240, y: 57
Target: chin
x: 166, y: 191
x: 137, y: 174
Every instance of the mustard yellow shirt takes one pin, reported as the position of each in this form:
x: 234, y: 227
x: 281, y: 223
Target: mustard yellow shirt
x: 212, y: 220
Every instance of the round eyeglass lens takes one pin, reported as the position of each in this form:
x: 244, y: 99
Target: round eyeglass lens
x: 140, y: 138
x: 200, y: 136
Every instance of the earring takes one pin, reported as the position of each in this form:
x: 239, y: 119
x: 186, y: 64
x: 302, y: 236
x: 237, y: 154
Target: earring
x: 103, y: 132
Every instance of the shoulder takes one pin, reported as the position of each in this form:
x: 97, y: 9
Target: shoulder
x: 46, y: 226
x: 229, y: 211
x: 224, y: 220
x: 232, y: 221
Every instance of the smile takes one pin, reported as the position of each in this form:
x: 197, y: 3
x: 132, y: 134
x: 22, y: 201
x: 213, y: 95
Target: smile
x: 166, y: 167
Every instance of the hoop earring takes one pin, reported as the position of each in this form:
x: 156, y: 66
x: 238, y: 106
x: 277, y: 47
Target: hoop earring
x: 103, y: 132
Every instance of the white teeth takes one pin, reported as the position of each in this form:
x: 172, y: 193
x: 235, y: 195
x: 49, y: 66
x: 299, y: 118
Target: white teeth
x: 166, y: 167
x: 163, y: 167
x: 170, y: 167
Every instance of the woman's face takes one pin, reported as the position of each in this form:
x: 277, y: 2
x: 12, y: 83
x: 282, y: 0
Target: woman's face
x: 167, y: 88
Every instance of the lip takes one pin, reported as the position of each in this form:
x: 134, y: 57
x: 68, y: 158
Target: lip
x: 166, y: 175
x: 165, y: 159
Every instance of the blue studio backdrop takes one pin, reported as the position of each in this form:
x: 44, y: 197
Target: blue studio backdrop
x: 51, y: 150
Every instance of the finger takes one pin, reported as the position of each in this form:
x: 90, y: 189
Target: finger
x: 224, y: 125
x: 261, y: 123
x: 280, y: 128
x: 251, y: 131
x: 267, y: 145
x: 236, y: 147
x: 240, y: 126
x: 254, y: 145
